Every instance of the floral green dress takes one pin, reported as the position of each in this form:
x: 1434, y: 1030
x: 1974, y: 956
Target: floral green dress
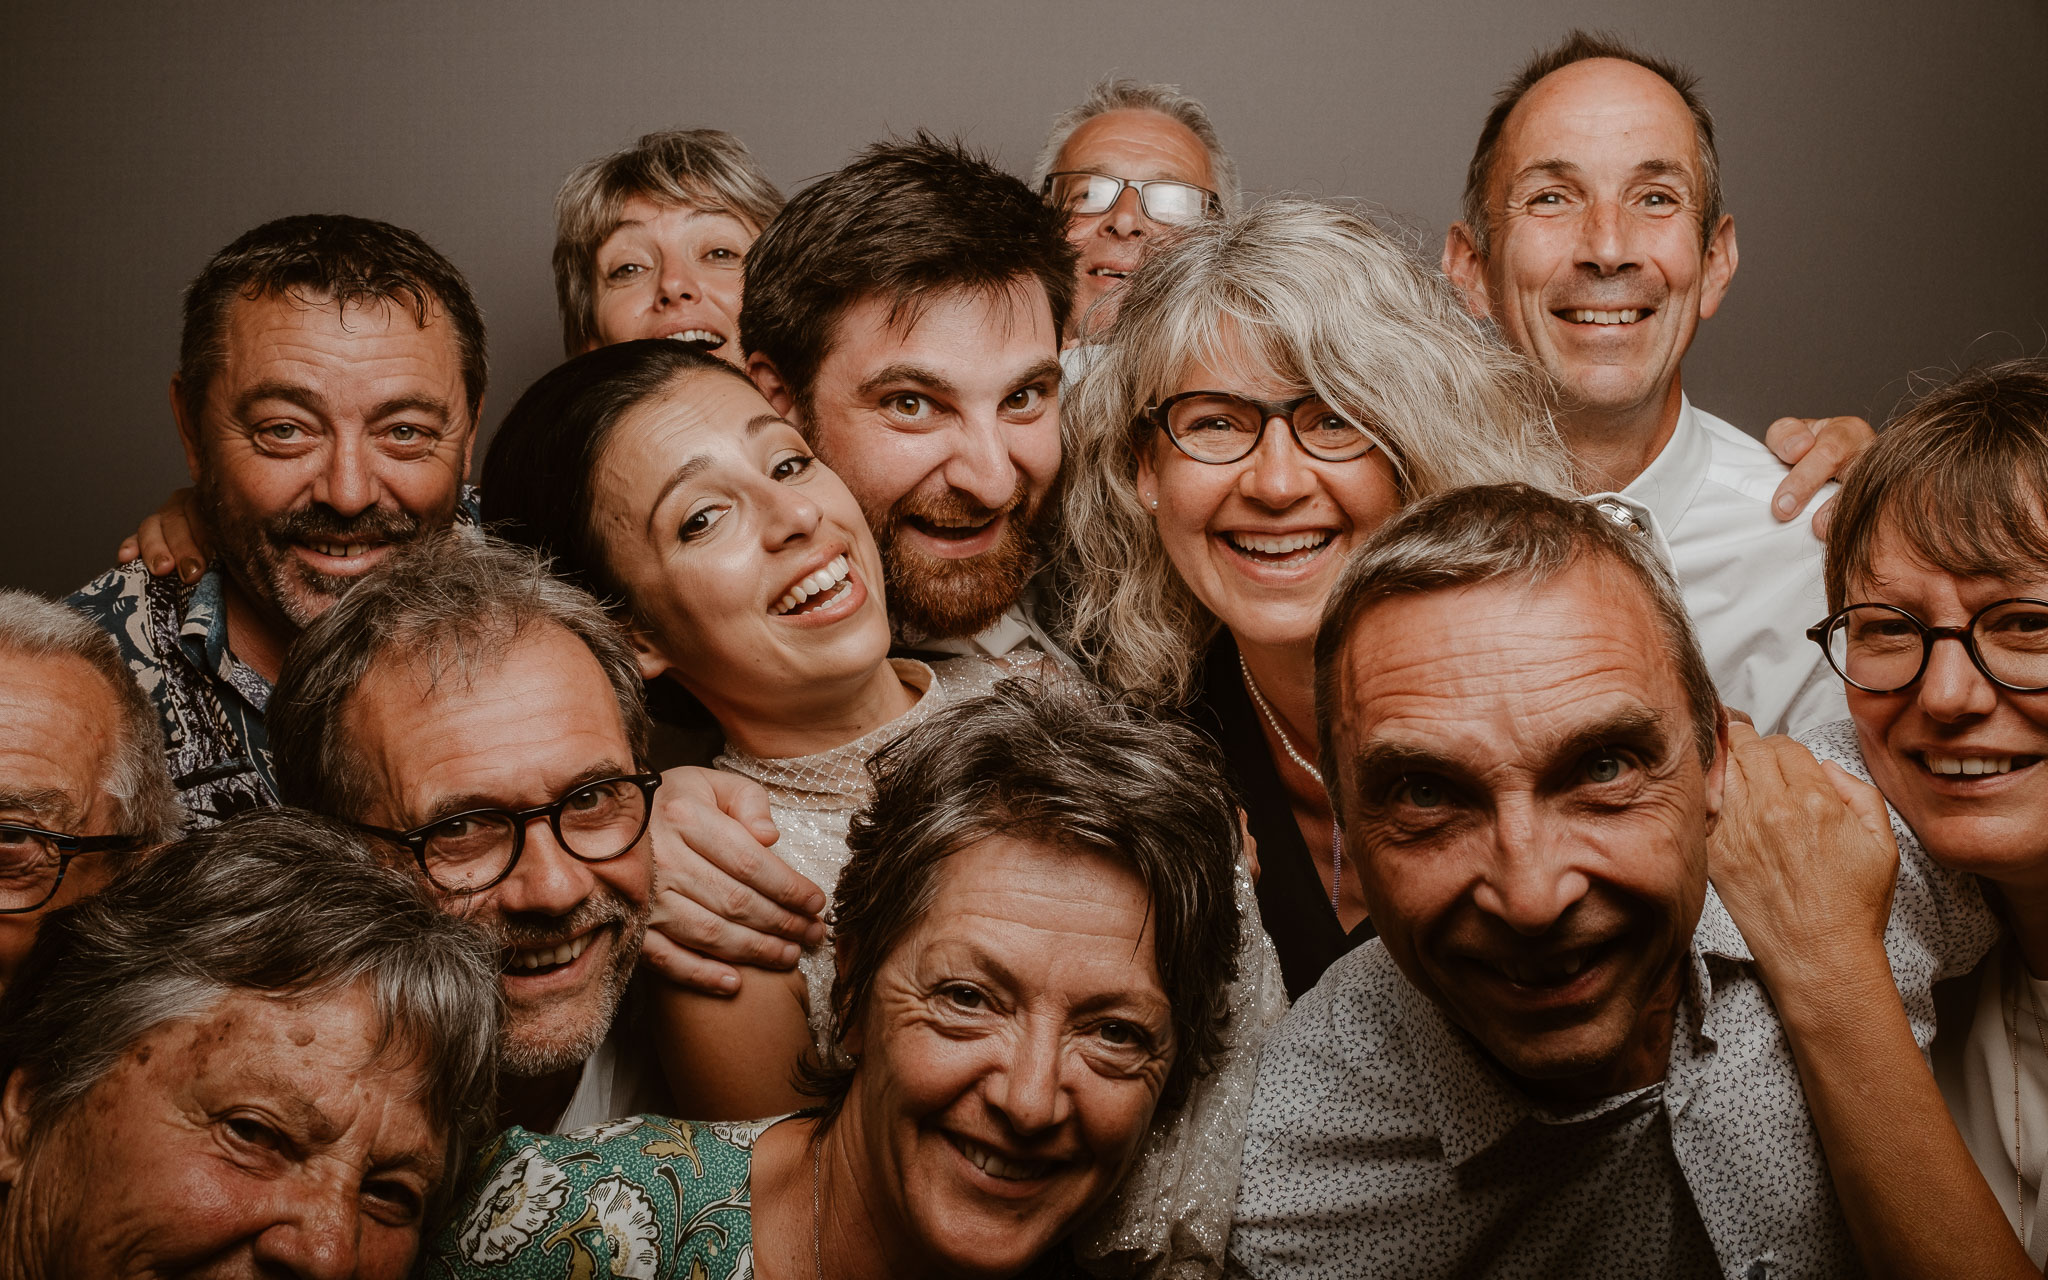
x: 645, y: 1197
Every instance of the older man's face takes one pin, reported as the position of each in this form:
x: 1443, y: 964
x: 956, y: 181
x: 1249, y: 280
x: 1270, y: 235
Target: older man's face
x: 1133, y: 144
x: 1597, y: 266
x: 1530, y: 814
x: 268, y: 1137
x: 522, y: 732
x: 944, y: 422
x: 60, y: 729
x: 329, y: 438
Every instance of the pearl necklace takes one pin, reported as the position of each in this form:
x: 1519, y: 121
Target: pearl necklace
x: 1287, y: 745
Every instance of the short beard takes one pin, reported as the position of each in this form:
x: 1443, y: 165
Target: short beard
x: 257, y: 552
x: 528, y: 1059
x: 933, y: 598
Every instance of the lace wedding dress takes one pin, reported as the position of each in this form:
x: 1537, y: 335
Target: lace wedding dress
x: 1171, y: 1215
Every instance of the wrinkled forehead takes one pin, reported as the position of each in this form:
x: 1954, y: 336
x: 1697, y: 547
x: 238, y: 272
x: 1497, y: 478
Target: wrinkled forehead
x: 59, y: 727
x: 1138, y: 143
x: 1594, y: 111
x: 1506, y: 674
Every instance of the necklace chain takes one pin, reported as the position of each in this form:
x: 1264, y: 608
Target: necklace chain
x: 1287, y: 745
x: 2017, y: 980
x: 817, y: 1250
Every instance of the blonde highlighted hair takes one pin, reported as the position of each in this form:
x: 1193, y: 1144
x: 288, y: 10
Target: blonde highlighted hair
x: 1320, y: 297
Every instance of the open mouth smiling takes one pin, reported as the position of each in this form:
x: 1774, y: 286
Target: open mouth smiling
x: 530, y: 962
x: 1603, y: 318
x: 1279, y: 548
x: 1963, y: 767
x: 1003, y: 1168
x: 705, y: 340
x: 818, y: 590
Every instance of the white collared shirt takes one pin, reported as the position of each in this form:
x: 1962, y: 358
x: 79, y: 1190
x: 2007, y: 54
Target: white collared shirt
x: 1751, y: 582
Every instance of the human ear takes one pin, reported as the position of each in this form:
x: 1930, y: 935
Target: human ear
x: 1148, y: 480
x: 1466, y: 268
x: 14, y: 1100
x: 647, y: 654
x: 768, y: 380
x: 188, y: 428
x: 1718, y: 269
x: 1717, y: 772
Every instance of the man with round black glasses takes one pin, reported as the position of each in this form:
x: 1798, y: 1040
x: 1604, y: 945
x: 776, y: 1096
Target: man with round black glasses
x: 486, y: 719
x: 83, y: 784
x: 1128, y: 163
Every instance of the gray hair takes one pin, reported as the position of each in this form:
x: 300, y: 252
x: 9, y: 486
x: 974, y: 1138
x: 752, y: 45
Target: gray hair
x: 1061, y: 765
x: 1325, y: 299
x: 706, y: 169
x: 277, y: 902
x: 1130, y: 95
x: 454, y: 604
x: 137, y: 779
x: 1582, y: 46
x: 1491, y: 533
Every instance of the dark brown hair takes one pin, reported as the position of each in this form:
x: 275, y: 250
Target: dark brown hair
x: 1960, y: 476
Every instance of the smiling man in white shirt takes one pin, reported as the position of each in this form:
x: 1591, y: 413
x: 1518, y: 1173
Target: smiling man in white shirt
x: 1594, y: 236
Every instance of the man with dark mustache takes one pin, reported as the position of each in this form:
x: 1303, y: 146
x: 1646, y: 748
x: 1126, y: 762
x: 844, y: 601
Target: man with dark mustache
x: 328, y: 384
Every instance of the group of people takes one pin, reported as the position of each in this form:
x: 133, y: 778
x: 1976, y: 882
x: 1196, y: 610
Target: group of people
x: 1086, y: 726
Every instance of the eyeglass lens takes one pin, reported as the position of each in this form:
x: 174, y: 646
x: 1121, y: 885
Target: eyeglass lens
x: 1224, y: 428
x: 30, y: 865
x: 1882, y: 649
x: 596, y: 822
x: 1163, y: 200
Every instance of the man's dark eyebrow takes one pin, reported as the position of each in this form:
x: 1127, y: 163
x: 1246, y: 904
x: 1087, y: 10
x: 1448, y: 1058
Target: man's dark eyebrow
x: 411, y: 404
x: 755, y: 426
x: 1554, y: 167
x: 1041, y: 372
x: 290, y: 392
x: 916, y: 375
x: 1384, y: 759
x: 46, y: 804
x: 1639, y: 726
x: 449, y: 806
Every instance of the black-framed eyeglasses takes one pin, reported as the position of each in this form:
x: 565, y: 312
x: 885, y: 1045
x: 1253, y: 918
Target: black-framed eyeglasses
x: 1164, y: 200
x: 33, y: 862
x: 470, y: 851
x: 1219, y: 427
x: 1881, y: 648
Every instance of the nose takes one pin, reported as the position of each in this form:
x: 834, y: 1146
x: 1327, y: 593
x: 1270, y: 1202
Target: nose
x: 1533, y: 879
x: 548, y: 880
x: 1127, y: 215
x: 1026, y: 1088
x: 316, y: 1238
x: 1952, y: 689
x: 1606, y: 246
x: 1277, y: 474
x: 791, y: 516
x: 348, y: 482
x: 981, y: 466
x: 678, y: 282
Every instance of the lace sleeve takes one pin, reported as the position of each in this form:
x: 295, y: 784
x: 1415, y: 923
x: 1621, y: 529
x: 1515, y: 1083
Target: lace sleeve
x: 1170, y: 1220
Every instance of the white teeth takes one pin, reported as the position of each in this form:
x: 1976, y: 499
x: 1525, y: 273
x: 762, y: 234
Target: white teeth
x: 704, y: 337
x: 340, y: 550
x: 1282, y: 544
x: 545, y: 957
x: 826, y: 579
x: 1968, y: 766
x: 1603, y: 317
x: 1105, y: 271
x: 996, y: 1166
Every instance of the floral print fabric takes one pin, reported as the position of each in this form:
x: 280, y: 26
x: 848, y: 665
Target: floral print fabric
x: 647, y: 1198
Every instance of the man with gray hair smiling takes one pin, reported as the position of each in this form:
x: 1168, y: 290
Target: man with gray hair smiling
x: 1558, y: 1057
x: 1127, y: 163
x: 262, y: 1052
x: 486, y: 720
x: 83, y: 786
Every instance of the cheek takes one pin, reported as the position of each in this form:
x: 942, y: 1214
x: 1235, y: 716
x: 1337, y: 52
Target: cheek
x: 1035, y: 451
x: 630, y: 877
x: 1366, y: 491
x: 1115, y: 1114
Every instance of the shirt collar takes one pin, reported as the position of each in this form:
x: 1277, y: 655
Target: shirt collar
x: 203, y: 624
x: 1673, y: 479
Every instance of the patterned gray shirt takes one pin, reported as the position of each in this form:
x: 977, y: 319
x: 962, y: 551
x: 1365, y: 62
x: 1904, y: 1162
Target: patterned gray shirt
x: 1384, y: 1142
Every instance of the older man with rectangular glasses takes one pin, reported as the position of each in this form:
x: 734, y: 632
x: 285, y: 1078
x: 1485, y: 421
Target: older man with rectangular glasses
x: 1880, y: 648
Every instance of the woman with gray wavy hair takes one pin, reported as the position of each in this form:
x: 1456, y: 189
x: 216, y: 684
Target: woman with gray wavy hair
x: 1201, y: 539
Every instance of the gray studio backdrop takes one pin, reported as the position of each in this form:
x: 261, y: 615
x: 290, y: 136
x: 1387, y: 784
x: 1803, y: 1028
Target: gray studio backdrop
x: 1887, y: 162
